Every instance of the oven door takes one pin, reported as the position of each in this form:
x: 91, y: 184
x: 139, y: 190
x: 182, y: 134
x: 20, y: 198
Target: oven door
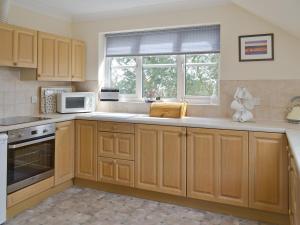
x: 29, y: 162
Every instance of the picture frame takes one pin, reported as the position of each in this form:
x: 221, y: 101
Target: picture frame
x: 257, y: 47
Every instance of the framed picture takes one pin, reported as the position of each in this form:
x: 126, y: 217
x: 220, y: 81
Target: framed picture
x: 257, y: 47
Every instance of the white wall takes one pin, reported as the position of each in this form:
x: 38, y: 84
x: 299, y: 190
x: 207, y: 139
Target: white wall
x: 38, y: 21
x: 234, y: 22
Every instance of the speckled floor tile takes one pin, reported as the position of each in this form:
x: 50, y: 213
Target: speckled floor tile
x: 83, y: 206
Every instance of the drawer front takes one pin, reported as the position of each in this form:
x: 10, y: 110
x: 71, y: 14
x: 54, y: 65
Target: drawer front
x: 116, y: 171
x: 116, y: 145
x: 116, y: 127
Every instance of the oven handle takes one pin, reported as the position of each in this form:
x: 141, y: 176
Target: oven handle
x: 31, y: 142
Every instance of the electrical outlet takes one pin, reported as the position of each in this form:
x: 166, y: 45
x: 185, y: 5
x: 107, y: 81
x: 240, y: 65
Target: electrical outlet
x: 34, y: 99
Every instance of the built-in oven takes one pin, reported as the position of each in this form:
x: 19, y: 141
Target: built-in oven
x: 30, y: 156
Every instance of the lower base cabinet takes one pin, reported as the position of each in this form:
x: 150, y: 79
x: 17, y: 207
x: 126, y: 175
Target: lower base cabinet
x: 116, y: 171
x: 160, y: 159
x: 268, y: 171
x: 294, y: 195
x: 217, y: 166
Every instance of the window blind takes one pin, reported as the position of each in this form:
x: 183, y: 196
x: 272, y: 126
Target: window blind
x: 189, y: 40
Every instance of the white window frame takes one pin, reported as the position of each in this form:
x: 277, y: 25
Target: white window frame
x: 181, y: 95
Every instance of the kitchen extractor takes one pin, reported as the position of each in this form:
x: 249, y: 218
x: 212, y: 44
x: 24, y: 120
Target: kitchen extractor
x: 3, y: 172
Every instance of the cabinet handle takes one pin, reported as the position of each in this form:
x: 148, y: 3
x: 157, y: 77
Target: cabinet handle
x: 15, y: 63
x: 287, y: 148
x: 291, y: 212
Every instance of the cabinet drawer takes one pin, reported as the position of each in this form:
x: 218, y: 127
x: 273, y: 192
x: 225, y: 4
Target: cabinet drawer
x: 116, y: 145
x: 116, y: 171
x: 116, y: 127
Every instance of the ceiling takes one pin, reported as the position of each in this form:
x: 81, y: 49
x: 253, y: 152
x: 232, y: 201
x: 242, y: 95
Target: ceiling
x: 91, y: 9
x: 283, y: 13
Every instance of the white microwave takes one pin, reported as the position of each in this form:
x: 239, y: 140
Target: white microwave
x: 76, y: 102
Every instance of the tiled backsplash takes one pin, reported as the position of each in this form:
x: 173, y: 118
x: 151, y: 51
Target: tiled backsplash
x: 274, y: 97
x: 15, y: 95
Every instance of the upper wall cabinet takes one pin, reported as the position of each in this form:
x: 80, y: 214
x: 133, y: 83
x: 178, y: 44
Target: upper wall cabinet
x: 78, y: 60
x: 18, y: 46
x: 54, y: 58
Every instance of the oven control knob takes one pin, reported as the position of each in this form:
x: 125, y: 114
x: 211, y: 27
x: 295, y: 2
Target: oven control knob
x: 45, y: 131
x: 20, y: 135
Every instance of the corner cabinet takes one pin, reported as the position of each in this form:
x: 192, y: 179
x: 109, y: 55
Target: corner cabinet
x: 18, y: 46
x: 78, y: 60
x: 268, y: 172
x: 217, y: 166
x: 86, y: 150
x: 64, y: 152
x: 160, y: 159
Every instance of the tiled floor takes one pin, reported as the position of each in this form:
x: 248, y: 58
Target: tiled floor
x: 77, y: 206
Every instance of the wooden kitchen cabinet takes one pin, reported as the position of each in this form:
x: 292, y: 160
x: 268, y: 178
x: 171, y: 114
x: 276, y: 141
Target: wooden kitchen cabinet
x: 217, y: 165
x: 64, y: 152
x: 160, y: 159
x: 268, y: 171
x: 116, y: 145
x: 18, y: 46
x: 116, y: 171
x: 54, y: 58
x: 294, y: 195
x: 86, y: 150
x: 78, y: 60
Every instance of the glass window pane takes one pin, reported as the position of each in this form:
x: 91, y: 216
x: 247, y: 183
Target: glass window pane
x: 123, y: 61
x: 171, y: 59
x: 124, y: 79
x: 201, y: 80
x: 202, y: 58
x: 160, y: 82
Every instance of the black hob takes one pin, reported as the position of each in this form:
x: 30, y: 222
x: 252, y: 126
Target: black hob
x: 19, y: 120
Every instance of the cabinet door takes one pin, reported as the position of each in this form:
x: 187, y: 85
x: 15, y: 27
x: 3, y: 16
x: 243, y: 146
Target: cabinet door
x: 201, y: 169
x: 232, y: 167
x: 294, y: 196
x: 106, y: 142
x: 63, y: 59
x: 46, y: 56
x: 124, y: 172
x: 25, y: 53
x: 124, y: 146
x: 6, y: 45
x: 106, y: 170
x: 268, y: 172
x: 172, y: 160
x: 146, y: 157
x: 86, y: 150
x: 64, y: 152
x: 78, y: 60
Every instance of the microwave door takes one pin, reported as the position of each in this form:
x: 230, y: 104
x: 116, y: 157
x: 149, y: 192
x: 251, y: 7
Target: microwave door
x: 75, y: 104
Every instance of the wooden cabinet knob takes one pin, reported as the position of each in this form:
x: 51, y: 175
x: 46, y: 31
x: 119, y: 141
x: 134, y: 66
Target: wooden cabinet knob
x: 15, y: 63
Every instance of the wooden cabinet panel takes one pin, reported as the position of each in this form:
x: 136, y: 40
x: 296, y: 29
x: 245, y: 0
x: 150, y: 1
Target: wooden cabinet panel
x: 63, y: 59
x: 116, y: 127
x: 172, y: 160
x: 86, y: 150
x: 116, y: 171
x: 160, y: 159
x: 25, y: 54
x: 268, y: 172
x: 232, y: 166
x: 64, y: 152
x: 218, y: 165
x: 201, y: 171
x: 78, y: 60
x: 106, y: 170
x: 146, y: 157
x: 7, y: 45
x: 294, y: 195
x: 116, y: 145
x: 124, y: 172
x: 46, y: 56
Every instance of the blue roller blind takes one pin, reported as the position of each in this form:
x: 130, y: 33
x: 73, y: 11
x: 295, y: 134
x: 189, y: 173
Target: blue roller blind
x: 200, y: 39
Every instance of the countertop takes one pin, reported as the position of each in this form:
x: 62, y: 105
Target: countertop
x: 292, y: 130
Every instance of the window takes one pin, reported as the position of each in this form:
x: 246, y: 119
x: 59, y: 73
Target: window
x: 176, y: 64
